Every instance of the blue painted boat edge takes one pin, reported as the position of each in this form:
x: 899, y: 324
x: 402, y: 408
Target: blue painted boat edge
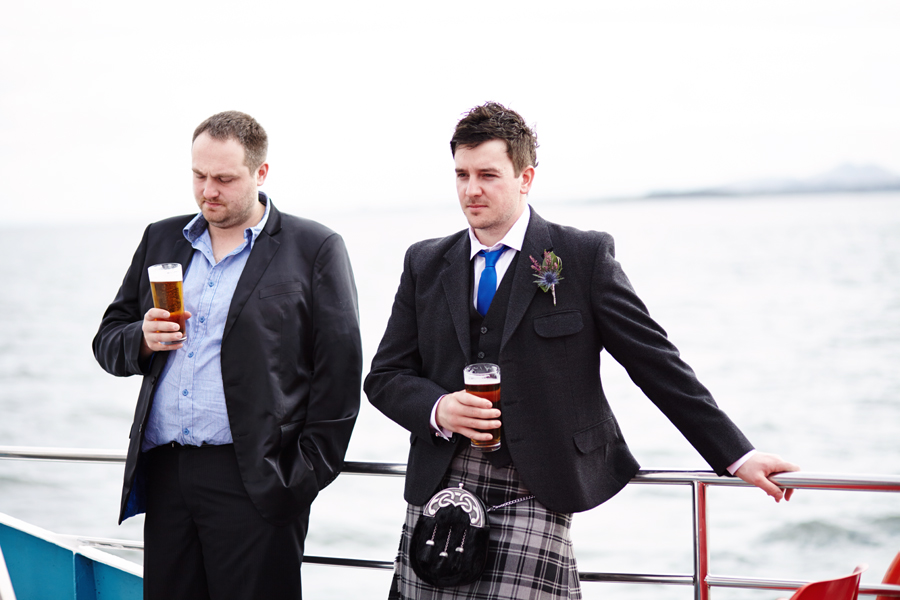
x: 43, y: 564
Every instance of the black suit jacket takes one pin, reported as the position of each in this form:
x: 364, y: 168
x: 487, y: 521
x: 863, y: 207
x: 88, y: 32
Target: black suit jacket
x: 291, y: 359
x: 559, y: 428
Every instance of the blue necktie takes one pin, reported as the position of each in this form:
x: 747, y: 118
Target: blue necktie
x: 487, y: 285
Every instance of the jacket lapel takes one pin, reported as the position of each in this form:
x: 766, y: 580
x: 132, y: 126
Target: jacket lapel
x: 456, y: 288
x: 264, y: 248
x: 537, y: 239
x: 182, y: 252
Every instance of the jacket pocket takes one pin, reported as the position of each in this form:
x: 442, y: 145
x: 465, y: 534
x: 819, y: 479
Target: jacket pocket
x: 559, y: 324
x: 288, y: 287
x: 595, y: 436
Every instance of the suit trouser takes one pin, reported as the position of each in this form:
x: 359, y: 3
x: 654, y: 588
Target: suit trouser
x: 204, y: 539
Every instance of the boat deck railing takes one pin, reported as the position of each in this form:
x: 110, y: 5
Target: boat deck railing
x: 699, y: 481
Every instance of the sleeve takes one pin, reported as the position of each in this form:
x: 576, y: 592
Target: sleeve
x: 118, y: 342
x: 396, y: 384
x: 337, y: 362
x: 641, y: 346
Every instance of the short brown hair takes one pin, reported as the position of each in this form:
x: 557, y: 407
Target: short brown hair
x: 239, y: 126
x: 493, y: 121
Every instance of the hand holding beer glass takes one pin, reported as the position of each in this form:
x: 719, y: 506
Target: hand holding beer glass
x: 483, y: 380
x: 168, y: 295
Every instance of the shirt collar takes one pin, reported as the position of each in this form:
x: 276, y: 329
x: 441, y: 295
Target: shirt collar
x: 198, y: 225
x: 514, y: 238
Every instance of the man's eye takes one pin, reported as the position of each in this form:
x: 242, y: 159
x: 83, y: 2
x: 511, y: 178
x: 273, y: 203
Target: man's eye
x: 225, y: 179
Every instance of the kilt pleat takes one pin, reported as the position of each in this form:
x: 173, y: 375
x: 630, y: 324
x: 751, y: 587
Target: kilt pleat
x: 530, y: 554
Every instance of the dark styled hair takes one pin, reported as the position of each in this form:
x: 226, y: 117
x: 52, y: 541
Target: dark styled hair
x: 239, y: 126
x: 493, y: 121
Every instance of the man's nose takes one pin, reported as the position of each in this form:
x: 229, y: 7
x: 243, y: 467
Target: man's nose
x: 473, y: 190
x: 210, y: 190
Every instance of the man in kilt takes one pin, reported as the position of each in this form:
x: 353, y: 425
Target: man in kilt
x: 496, y: 293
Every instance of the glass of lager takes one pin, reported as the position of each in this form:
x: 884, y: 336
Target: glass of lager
x: 483, y: 380
x: 168, y: 294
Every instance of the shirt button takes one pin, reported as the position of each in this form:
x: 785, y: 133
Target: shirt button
x: 202, y: 319
x: 186, y: 431
x: 184, y: 392
x: 211, y: 283
x: 480, y: 355
x: 190, y: 355
x: 484, y: 330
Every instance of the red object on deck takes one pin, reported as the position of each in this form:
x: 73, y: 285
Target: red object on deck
x: 842, y: 588
x: 892, y: 576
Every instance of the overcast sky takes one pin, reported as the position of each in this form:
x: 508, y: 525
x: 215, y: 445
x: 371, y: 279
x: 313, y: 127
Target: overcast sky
x: 98, y: 99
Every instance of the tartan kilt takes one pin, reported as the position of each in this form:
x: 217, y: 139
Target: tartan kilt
x: 530, y: 553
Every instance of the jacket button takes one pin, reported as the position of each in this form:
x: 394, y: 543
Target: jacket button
x: 481, y: 355
x: 484, y: 330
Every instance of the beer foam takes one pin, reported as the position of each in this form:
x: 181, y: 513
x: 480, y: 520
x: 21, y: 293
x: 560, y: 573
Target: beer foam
x: 165, y: 272
x: 481, y: 374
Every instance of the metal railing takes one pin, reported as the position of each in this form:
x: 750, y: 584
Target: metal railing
x: 699, y: 481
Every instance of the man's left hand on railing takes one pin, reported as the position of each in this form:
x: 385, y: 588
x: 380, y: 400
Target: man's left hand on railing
x: 757, y: 469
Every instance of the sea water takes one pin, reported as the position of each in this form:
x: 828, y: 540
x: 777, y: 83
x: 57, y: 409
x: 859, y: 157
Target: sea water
x: 788, y: 308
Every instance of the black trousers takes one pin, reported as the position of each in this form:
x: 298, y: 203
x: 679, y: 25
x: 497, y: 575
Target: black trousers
x: 204, y: 539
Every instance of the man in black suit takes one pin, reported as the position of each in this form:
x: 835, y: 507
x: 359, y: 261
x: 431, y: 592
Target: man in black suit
x: 472, y: 297
x: 239, y: 425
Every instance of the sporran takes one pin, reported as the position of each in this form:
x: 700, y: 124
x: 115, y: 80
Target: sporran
x: 449, y: 545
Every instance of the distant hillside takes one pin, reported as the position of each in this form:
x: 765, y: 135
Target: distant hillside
x: 844, y: 178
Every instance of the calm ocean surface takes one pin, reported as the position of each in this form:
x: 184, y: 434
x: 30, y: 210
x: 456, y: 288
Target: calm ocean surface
x: 787, y: 307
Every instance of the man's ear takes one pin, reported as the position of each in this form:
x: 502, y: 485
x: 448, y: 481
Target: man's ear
x: 261, y: 173
x: 527, y: 179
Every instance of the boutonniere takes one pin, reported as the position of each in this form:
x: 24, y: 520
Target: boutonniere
x: 548, y: 272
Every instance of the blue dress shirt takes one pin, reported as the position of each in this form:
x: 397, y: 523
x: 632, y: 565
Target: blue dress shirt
x: 189, y: 405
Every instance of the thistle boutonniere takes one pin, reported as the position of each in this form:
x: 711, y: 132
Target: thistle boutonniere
x: 548, y: 272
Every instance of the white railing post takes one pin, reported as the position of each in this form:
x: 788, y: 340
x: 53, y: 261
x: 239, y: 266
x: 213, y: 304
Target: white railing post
x: 701, y: 542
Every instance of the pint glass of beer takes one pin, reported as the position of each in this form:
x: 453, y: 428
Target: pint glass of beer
x: 483, y: 380
x: 168, y: 294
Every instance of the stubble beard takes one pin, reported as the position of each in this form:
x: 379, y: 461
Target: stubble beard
x: 229, y: 219
x: 500, y: 222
